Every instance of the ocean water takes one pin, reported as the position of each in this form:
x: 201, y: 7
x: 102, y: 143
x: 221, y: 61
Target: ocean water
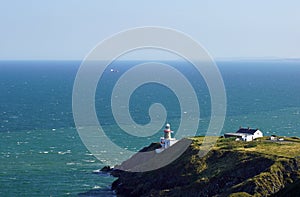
x: 42, y: 154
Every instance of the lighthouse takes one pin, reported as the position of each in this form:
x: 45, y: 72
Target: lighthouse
x: 167, y: 135
x: 167, y: 140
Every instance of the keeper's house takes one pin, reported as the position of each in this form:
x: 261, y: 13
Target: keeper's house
x: 245, y: 134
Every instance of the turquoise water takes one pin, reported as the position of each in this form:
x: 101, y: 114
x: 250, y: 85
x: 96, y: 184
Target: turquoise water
x: 47, y: 163
x: 43, y: 155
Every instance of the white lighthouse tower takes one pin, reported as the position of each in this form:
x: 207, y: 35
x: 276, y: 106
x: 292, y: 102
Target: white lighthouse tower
x: 167, y: 140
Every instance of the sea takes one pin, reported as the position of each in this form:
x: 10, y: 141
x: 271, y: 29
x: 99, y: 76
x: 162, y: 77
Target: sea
x: 42, y: 153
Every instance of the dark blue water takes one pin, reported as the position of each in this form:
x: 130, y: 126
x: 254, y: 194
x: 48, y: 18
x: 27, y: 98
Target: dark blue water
x: 41, y: 151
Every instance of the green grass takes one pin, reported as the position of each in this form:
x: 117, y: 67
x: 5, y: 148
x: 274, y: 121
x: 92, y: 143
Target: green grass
x: 290, y: 147
x: 240, y: 194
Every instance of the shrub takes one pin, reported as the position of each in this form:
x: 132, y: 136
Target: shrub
x: 250, y: 145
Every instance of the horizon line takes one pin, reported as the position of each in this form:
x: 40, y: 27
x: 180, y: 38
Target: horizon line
x: 215, y: 59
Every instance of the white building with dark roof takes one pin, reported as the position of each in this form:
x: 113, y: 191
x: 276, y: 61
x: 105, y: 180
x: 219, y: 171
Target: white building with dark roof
x: 245, y: 134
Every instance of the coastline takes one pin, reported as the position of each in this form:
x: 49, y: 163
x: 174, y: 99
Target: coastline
x: 231, y: 168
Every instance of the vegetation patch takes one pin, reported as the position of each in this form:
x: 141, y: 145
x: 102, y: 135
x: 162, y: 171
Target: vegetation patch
x: 232, y: 168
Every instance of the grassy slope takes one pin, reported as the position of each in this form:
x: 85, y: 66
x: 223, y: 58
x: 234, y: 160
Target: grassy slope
x: 233, y: 168
x: 285, y: 154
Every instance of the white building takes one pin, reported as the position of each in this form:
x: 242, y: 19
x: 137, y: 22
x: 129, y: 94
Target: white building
x: 167, y: 140
x: 245, y: 134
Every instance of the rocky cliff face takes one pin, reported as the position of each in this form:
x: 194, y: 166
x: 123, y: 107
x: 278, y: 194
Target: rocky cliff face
x: 230, y: 169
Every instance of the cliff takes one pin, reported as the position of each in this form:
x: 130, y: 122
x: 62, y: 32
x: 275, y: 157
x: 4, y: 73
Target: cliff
x: 231, y: 168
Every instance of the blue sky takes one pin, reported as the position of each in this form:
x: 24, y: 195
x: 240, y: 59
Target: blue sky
x: 69, y: 29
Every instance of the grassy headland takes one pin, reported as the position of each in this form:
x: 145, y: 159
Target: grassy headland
x: 231, y: 168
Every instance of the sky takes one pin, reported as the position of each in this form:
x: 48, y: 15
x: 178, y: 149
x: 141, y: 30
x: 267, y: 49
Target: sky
x: 70, y: 29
